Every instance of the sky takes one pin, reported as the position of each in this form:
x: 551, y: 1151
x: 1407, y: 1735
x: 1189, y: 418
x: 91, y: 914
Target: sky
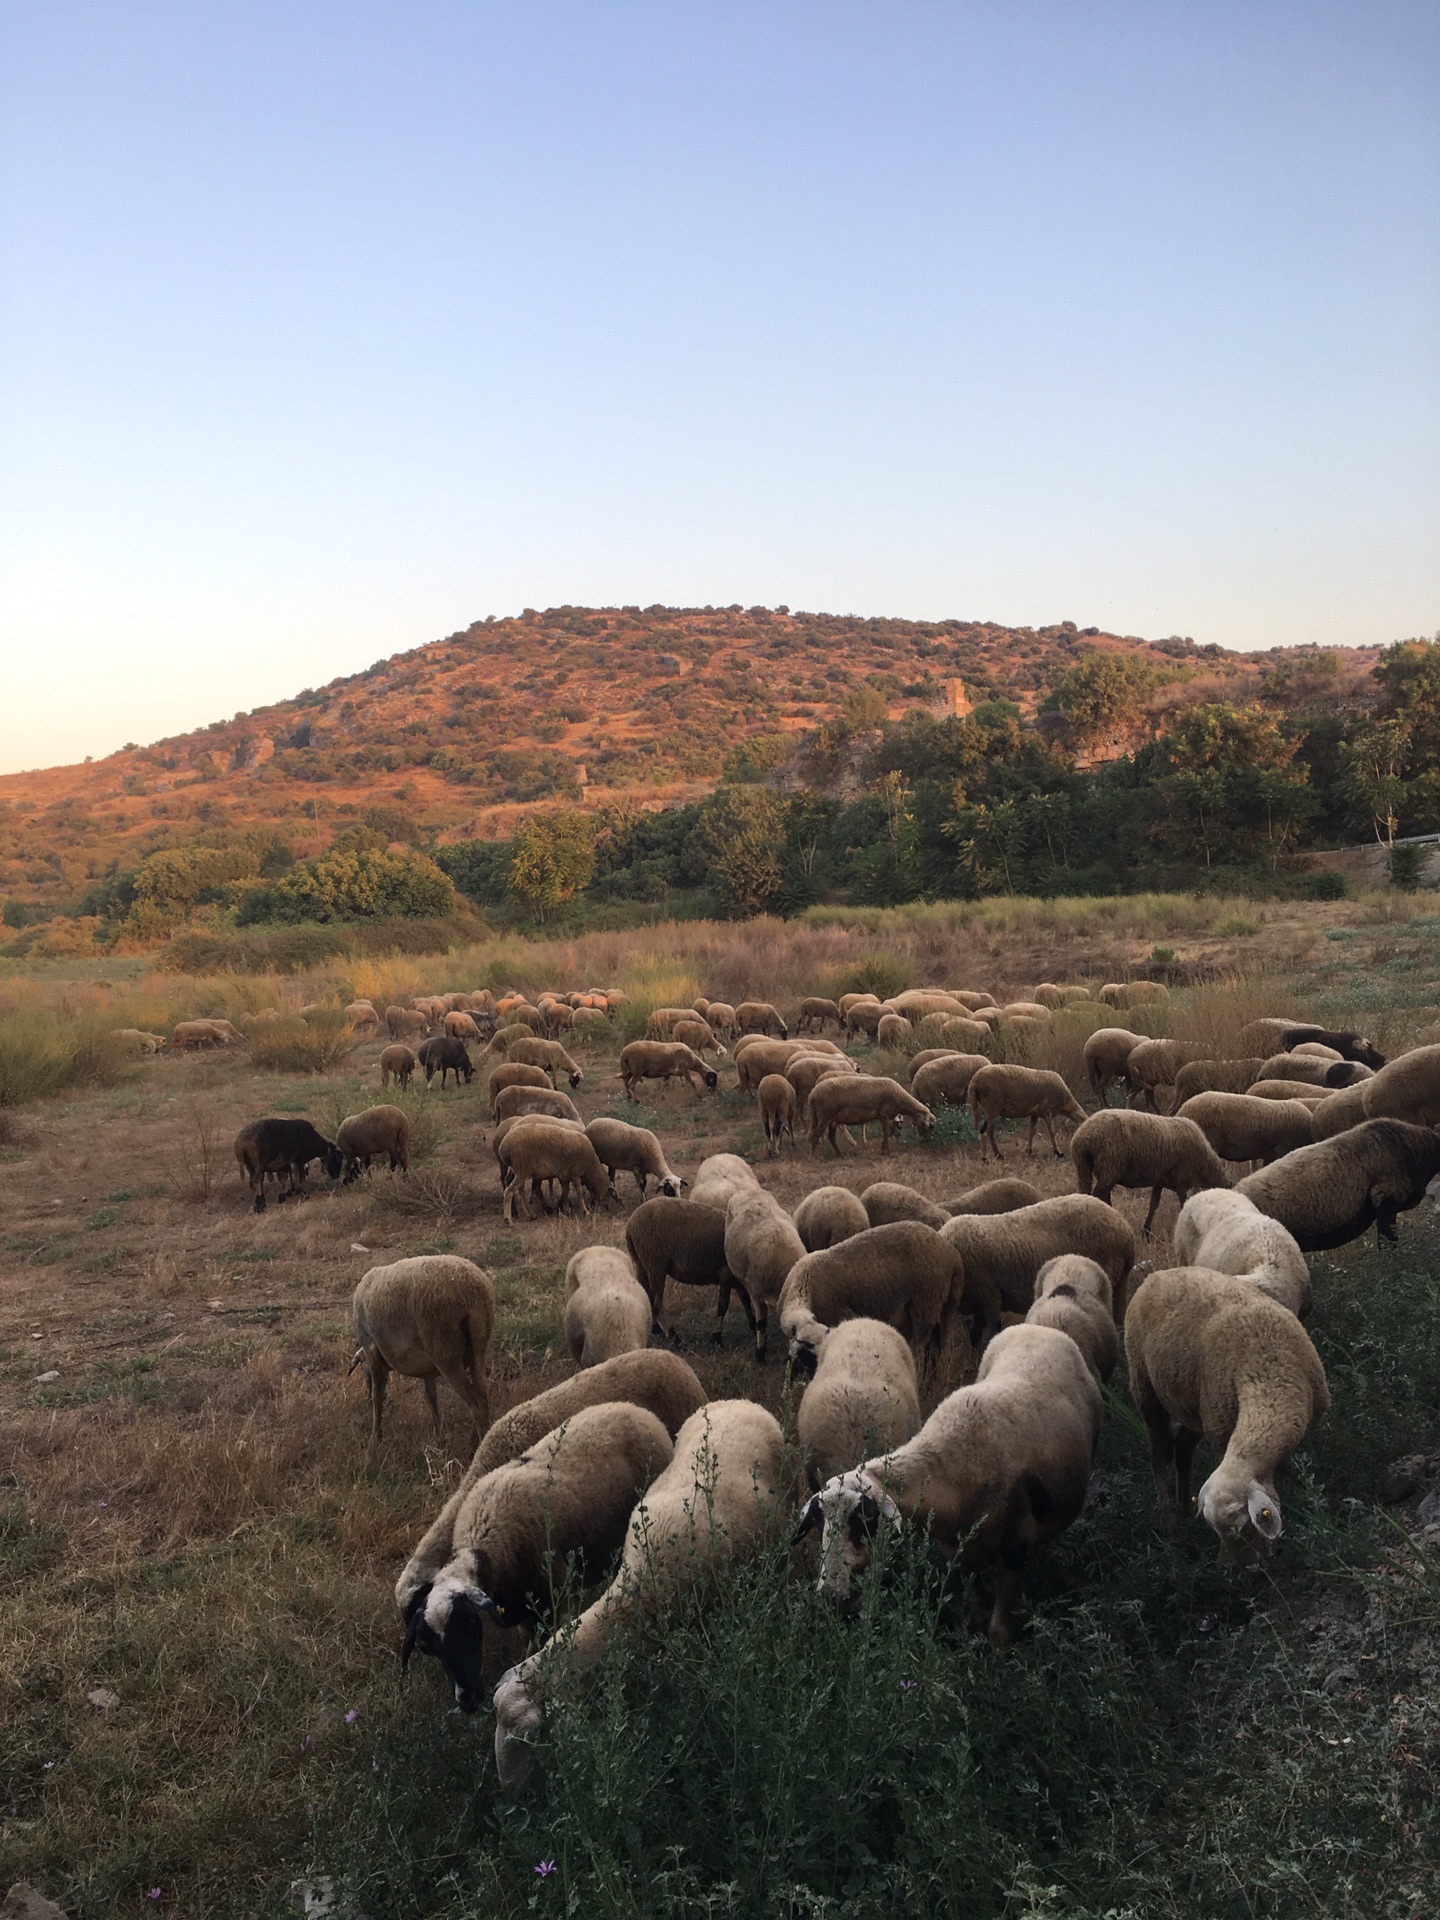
x: 326, y: 329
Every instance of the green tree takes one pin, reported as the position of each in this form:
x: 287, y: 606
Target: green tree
x: 1229, y: 784
x: 1100, y: 694
x: 552, y: 859
x: 743, y: 830
x: 864, y: 708
x: 1372, y: 775
x: 358, y: 882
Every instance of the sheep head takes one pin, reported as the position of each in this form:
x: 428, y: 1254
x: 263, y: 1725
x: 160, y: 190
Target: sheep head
x: 1243, y: 1512
x: 446, y: 1620
x: 671, y: 1184
x: 851, y: 1508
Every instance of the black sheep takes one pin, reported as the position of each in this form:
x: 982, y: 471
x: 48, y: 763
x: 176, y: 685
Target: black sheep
x: 285, y: 1149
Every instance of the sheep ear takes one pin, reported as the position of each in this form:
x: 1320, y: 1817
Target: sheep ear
x: 810, y: 1518
x: 416, y: 1603
x: 412, y: 1634
x: 1264, y: 1512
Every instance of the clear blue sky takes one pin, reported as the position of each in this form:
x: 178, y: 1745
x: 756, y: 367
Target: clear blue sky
x: 326, y: 329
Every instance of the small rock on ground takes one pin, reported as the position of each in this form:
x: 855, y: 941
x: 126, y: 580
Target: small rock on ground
x: 23, y: 1902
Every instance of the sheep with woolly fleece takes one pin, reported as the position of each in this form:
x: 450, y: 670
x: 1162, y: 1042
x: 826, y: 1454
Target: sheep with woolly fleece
x: 1316, y: 1072
x: 504, y: 1128
x: 1106, y: 1052
x: 663, y: 1060
x: 607, y: 1311
x: 1073, y: 1295
x: 806, y: 1069
x: 548, y: 1054
x: 1240, y: 1127
x: 361, y: 1016
x: 1315, y: 1050
x: 281, y: 1148
x: 511, y: 1035
x: 850, y: 1100
x: 660, y: 1020
x: 443, y: 1055
x: 1407, y: 1089
x: 972, y: 999
x: 558, y: 1018
x: 684, y: 1241
x: 848, y: 1000
x: 515, y: 1074
x: 1027, y: 1010
x: 1225, y: 1232
x: 1150, y: 1069
x: 999, y: 1469
x: 815, y: 1011
x: 1119, y: 1148
x: 946, y: 1081
x: 761, y: 1246
x: 1329, y: 1193
x: 1339, y: 1112
x: 863, y: 1017
x: 634, y: 1150
x: 701, y: 1006
x: 776, y: 1098
x: 956, y: 1033
x: 1215, y: 1076
x: 138, y: 1041
x: 661, y: 1381
x: 710, y: 1506
x: 924, y: 1057
x: 758, y: 1016
x: 397, y: 1062
x: 995, y: 1196
x: 560, y: 1511
x: 1290, y: 1090
x: 429, y: 1317
x: 1130, y: 993
x: 589, y: 1024
x: 510, y: 1101
x: 698, y: 1035
x: 893, y: 1032
x: 540, y: 1150
x: 720, y: 1176
x: 1211, y: 1354
x: 403, y: 1022
x: 1003, y: 1252
x: 759, y: 1057
x: 864, y: 1397
x: 199, y: 1034
x: 828, y: 1215
x: 721, y: 1017
x: 1020, y: 1093
x: 905, y: 1274
x: 378, y: 1132
x: 887, y: 1200
x: 462, y: 1026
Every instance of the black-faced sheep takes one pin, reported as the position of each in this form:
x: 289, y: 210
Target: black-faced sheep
x: 904, y: 1274
x: 1073, y: 1295
x: 282, y: 1150
x: 758, y: 1016
x: 1020, y: 1093
x: 429, y: 1317
x: 849, y: 1100
x: 1315, y: 1071
x: 864, y: 1398
x: 1274, y: 1035
x: 1120, y: 1148
x: 377, y: 1132
x: 1227, y: 1233
x: 828, y: 1215
x: 548, y: 1054
x: 1329, y: 1193
x: 607, y: 1311
x: 511, y: 1101
x: 1211, y: 1354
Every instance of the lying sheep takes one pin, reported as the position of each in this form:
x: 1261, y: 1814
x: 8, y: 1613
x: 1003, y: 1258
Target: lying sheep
x: 849, y: 1100
x: 1226, y: 1232
x: 888, y: 1200
x: 698, y: 1036
x: 445, y: 1056
x: 1314, y: 1071
x: 514, y: 1074
x: 722, y: 1175
x: 828, y: 1215
x: 684, y: 1241
x: 946, y: 1081
x: 1215, y: 1076
x: 403, y: 1021
x: 1020, y: 1093
x: 1119, y: 1148
x: 429, y: 1317
x: 864, y: 1398
x: 999, y: 1468
x: 1408, y: 1089
x: 776, y: 1098
x: 1240, y: 1127
x: 1073, y: 1295
x: 814, y: 1012
x: 560, y: 1512
x: 905, y: 1274
x: 995, y: 1196
x: 397, y: 1063
x: 548, y: 1054
x: 1106, y: 1052
x: 542, y: 1150
x: 758, y: 1016
x: 607, y: 1311
x: 710, y: 1506
x: 377, y: 1132
x: 282, y: 1150
x: 1210, y: 1353
x: 625, y: 1149
x: 1329, y: 1193
x: 663, y: 1060
x: 1003, y: 1252
x: 761, y: 1246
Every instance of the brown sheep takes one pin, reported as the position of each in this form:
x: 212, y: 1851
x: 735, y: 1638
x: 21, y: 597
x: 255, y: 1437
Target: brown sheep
x: 514, y: 1074
x: 401, y: 1022
x: 549, y: 1054
x: 814, y: 1012
x: 696, y: 1033
x: 758, y: 1016
x: 663, y: 1060
x: 397, y: 1063
x: 777, y: 1111
x: 684, y: 1241
x: 1106, y: 1052
x: 847, y: 1100
x: 430, y: 1317
x: 1020, y: 1093
x: 995, y: 1196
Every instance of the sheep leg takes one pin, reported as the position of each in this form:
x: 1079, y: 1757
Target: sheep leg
x: 1186, y: 1441
x: 377, y: 1372
x: 1050, y: 1129
x: 1162, y: 1440
x: 1009, y: 1576
x: 885, y: 1133
x: 1030, y: 1141
x: 433, y: 1397
x: 834, y: 1145
x: 1155, y: 1194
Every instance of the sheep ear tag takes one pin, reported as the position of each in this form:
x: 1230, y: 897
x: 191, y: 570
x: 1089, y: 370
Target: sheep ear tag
x: 1264, y: 1513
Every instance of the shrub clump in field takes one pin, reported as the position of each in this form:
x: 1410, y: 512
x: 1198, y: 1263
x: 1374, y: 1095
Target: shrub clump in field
x: 44, y: 1053
x: 315, y: 1045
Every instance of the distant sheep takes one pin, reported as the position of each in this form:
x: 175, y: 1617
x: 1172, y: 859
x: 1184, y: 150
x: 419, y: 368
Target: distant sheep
x: 995, y: 1196
x: 776, y: 1097
x: 405, y: 1022
x: 698, y: 1035
x: 814, y: 1012
x: 1119, y: 1148
x: 377, y: 1133
x: 462, y: 1026
x: 1020, y: 1093
x: 828, y: 1215
x: 282, y: 1149
x: 1073, y: 1295
x: 548, y: 1054
x: 430, y: 1317
x: 863, y: 1016
x: 806, y: 1069
x: 1279, y: 1035
x: 607, y: 1311
x: 139, y: 1042
x: 864, y: 1399
x: 1329, y: 1193
x: 758, y: 1016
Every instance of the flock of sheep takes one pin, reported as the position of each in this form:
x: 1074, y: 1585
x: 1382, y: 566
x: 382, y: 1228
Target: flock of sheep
x: 627, y: 1458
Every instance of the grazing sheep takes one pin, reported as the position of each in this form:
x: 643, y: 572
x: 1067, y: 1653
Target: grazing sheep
x: 361, y: 1015
x: 397, y: 1063
x: 138, y: 1042
x: 1073, y: 1295
x: 806, y: 1069
x: 1003, y: 1252
x: 946, y: 1081
x: 864, y: 1398
x: 1027, y: 1010
x: 863, y: 1016
x: 924, y: 1003
x: 1329, y: 1193
x: 995, y: 1196
x: 756, y: 1058
x: 1315, y: 1072
x: 1408, y: 1089
x: 548, y: 1150
x: 894, y: 1032
x: 505, y: 1128
x: 282, y: 1149
x: 589, y: 1024
x: 697, y: 1035
x: 1106, y: 1052
x: 558, y: 1019
x: 848, y: 1000
x: 722, y: 1175
x: 663, y: 1060
x: 364, y: 1137
x: 758, y: 1016
x: 1118, y: 1148
x: 1151, y: 1068
x: 710, y: 1506
x: 1291, y: 1090
x: 548, y: 1054
x: 1278, y: 1035
x: 515, y: 1074
x: 972, y: 1000
x: 828, y: 1215
x: 1226, y: 1232
x: 1240, y: 1127
x: 1020, y: 1093
x: 814, y: 1012
x: 701, y: 1006
x: 626, y: 1149
x: 199, y: 1034
x: 510, y: 1101
x: 1338, y: 1112
x: 777, y: 1111
x: 429, y: 1317
x: 1211, y: 1354
x: 607, y: 1311
x: 905, y: 1274
x: 461, y: 1026
x: 661, y: 1019
x: 684, y: 1241
x: 663, y: 1382
x: 561, y: 1510
x: 889, y: 1200
x: 1215, y: 1076
x: 444, y: 1056
x: 999, y: 1468
x: 1130, y: 993
x: 848, y: 1100
x: 761, y: 1246
x: 1313, y: 1050
x: 403, y: 1021
x: 721, y: 1017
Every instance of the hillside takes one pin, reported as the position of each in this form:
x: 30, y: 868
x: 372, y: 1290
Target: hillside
x: 462, y: 737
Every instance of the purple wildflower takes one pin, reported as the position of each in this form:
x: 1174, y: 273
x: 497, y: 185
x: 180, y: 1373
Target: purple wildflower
x: 545, y: 1869
x: 352, y: 1716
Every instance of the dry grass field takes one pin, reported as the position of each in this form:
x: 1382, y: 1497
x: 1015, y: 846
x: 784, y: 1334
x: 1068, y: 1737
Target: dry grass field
x: 192, y: 1521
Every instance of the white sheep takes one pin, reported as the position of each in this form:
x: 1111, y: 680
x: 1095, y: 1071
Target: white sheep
x: 864, y: 1398
x: 1227, y: 1233
x: 607, y: 1311
x: 1020, y: 1093
x: 761, y: 1246
x: 1003, y: 1252
x: 717, y: 1178
x: 828, y: 1215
